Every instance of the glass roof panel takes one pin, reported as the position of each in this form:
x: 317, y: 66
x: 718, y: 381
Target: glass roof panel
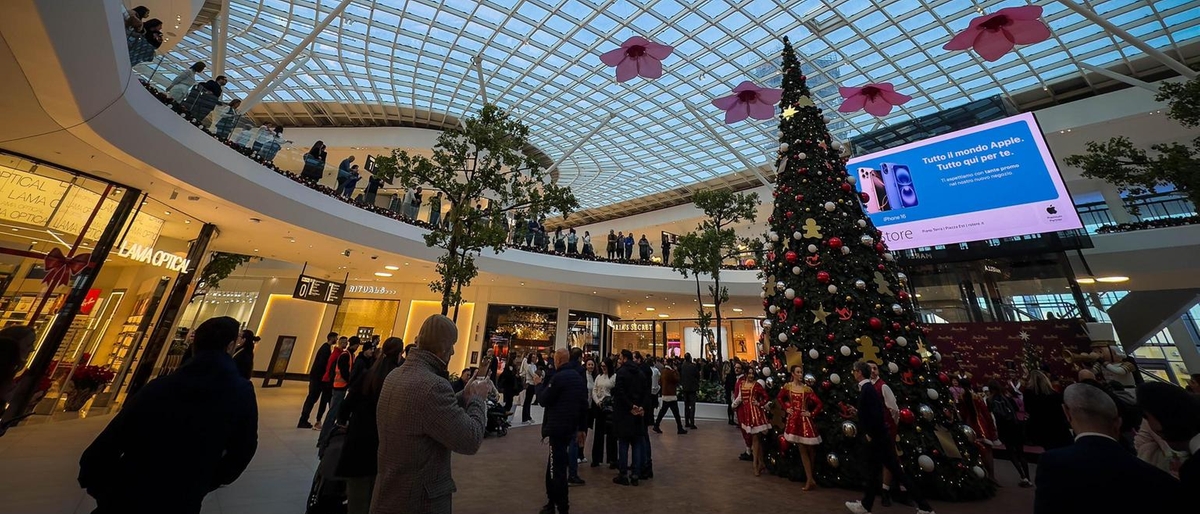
x: 541, y: 61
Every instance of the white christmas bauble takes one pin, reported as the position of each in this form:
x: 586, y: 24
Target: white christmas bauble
x: 767, y: 323
x: 773, y: 235
x: 830, y: 206
x: 789, y: 293
x: 832, y: 289
x: 770, y: 382
x: 795, y: 270
x: 783, y: 147
x: 766, y: 372
x: 835, y: 378
x: 851, y: 179
x: 783, y: 339
x: 860, y: 284
x: 801, y: 155
x: 892, y: 367
x: 780, y: 285
x: 773, y: 309
x: 902, y: 341
x: 813, y: 354
x: 926, y: 463
x: 837, y: 145
x: 902, y: 277
x: 866, y: 240
x: 887, y: 256
x: 797, y: 235
x: 825, y: 118
x: 932, y: 393
x: 812, y: 248
x: 896, y: 308
x: 937, y: 357
x: 862, y: 223
x: 845, y: 250
x: 845, y: 351
x: 763, y: 295
x: 979, y: 473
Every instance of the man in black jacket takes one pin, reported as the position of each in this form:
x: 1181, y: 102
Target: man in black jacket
x: 1096, y: 474
x: 880, y: 452
x: 316, y: 383
x: 629, y: 424
x: 649, y: 403
x: 180, y: 437
x: 564, y: 397
x: 689, y: 386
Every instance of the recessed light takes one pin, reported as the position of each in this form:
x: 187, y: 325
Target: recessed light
x: 168, y: 213
x: 708, y: 305
x: 392, y: 268
x: 522, y: 283
x: 650, y: 309
x: 256, y: 250
x: 16, y: 230
x: 664, y: 315
x: 593, y: 292
x: 187, y: 222
x: 382, y: 274
x: 918, y: 295
x: 1085, y: 280
x: 737, y: 310
x: 255, y: 220
x: 1113, y: 279
x: 406, y: 264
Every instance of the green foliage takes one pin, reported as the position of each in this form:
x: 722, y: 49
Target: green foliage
x: 715, y: 240
x: 1139, y: 172
x: 481, y: 162
x: 843, y: 323
x: 711, y: 391
x: 219, y: 267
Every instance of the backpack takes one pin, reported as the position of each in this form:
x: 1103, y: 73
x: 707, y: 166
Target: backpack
x: 1002, y: 409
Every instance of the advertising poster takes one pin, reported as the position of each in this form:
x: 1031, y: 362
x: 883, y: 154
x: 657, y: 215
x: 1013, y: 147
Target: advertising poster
x: 990, y: 181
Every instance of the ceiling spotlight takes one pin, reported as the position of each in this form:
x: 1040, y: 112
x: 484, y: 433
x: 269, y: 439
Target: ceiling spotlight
x: 346, y: 252
x: 737, y: 310
x: 392, y: 268
x: 664, y: 315
x: 187, y: 222
x: 168, y: 213
x: 255, y: 220
x: 651, y: 309
x: 1113, y: 279
x: 709, y: 305
x: 382, y: 274
x: 522, y: 283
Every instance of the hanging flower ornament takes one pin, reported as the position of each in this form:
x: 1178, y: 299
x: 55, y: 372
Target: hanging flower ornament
x: 637, y: 56
x: 876, y: 99
x: 994, y: 35
x: 749, y: 101
x: 60, y: 268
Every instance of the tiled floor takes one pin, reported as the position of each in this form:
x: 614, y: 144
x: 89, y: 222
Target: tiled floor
x: 694, y: 473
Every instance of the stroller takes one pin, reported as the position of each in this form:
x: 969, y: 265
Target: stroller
x: 497, y: 419
x: 328, y: 492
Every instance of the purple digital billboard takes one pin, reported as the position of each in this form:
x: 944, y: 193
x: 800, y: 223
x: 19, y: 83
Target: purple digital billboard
x: 989, y: 181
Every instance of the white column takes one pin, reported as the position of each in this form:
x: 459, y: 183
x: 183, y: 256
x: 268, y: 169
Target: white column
x: 1186, y: 345
x: 1116, y: 204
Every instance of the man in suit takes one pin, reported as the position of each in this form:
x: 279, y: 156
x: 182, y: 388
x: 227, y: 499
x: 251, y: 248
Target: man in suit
x: 1096, y: 474
x: 880, y: 452
x: 180, y: 437
x: 689, y: 386
x: 316, y: 382
x: 564, y: 398
x: 421, y: 421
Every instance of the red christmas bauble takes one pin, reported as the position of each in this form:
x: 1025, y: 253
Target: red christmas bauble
x: 770, y: 256
x: 875, y: 323
x: 889, y: 346
x: 783, y: 444
x: 826, y: 384
x: 773, y: 350
x: 789, y: 214
x: 864, y: 197
x: 846, y: 187
x: 771, y: 219
x: 879, y: 247
x: 799, y: 198
x: 907, y: 417
x: 914, y: 361
x: 903, y: 295
x: 791, y: 257
x: 766, y: 303
x: 896, y: 326
x: 830, y: 337
x: 829, y: 359
x: 835, y: 242
x: 798, y: 302
x: 935, y: 452
x: 823, y: 277
x: 775, y: 194
x: 881, y: 267
x: 943, y: 378
x: 795, y: 329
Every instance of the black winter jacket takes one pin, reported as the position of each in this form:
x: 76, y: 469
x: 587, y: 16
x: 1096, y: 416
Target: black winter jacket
x: 629, y: 391
x: 563, y: 395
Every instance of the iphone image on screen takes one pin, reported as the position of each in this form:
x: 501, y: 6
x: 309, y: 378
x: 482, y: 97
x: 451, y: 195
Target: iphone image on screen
x: 906, y: 193
x: 866, y: 177
x: 881, y: 196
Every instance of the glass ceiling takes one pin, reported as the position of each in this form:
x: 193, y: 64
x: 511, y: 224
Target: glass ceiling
x: 541, y: 61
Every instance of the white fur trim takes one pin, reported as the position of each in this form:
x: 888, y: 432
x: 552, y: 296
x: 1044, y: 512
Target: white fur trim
x: 811, y: 441
x: 756, y: 430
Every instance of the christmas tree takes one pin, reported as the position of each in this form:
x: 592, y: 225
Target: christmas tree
x: 834, y: 296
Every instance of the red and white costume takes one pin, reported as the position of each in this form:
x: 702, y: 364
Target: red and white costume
x: 801, y: 404
x: 750, y: 401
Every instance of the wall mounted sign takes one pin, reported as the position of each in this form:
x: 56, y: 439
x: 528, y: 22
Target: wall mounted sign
x: 363, y: 289
x: 154, y: 257
x: 634, y: 326
x: 89, y: 302
x: 314, y: 289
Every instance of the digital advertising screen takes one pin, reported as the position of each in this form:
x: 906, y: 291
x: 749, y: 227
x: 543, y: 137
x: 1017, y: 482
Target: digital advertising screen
x: 989, y: 181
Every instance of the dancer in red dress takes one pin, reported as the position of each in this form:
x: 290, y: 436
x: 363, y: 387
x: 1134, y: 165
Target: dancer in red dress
x: 801, y: 404
x: 750, y: 403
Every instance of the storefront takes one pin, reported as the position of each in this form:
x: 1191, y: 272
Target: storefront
x: 637, y: 336
x: 86, y: 264
x: 739, y: 337
x: 585, y: 330
x: 514, y: 331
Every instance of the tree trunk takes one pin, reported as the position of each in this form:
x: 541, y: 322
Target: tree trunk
x: 700, y: 305
x: 717, y: 308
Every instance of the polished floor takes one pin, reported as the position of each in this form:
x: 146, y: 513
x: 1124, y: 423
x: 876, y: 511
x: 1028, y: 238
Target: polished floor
x: 694, y: 473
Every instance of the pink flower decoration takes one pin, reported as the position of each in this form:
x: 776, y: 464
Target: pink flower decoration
x: 996, y: 34
x: 637, y: 56
x: 876, y: 99
x: 749, y: 101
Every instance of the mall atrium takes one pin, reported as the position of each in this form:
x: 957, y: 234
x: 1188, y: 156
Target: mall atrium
x: 915, y: 250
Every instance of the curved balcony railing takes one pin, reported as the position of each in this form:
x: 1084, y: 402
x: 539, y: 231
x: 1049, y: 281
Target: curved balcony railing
x: 1161, y: 210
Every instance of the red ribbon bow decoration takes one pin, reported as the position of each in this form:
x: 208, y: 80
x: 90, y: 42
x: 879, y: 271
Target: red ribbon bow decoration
x: 60, y: 268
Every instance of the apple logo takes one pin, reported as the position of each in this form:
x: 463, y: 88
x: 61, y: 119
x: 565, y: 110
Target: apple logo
x: 1052, y: 209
